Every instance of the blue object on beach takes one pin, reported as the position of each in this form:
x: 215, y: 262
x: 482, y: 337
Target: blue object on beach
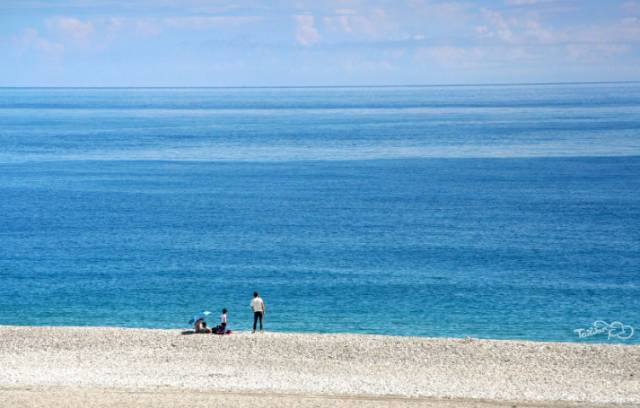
x: 200, y: 315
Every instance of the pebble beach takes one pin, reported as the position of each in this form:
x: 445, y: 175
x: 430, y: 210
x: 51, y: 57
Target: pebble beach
x: 72, y: 366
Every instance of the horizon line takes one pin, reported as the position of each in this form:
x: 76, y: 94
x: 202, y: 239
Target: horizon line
x: 328, y: 86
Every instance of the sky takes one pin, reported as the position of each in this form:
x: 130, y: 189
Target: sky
x: 316, y: 43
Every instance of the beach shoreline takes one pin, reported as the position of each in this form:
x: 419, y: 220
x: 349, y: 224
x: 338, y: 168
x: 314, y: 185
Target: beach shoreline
x: 101, y: 366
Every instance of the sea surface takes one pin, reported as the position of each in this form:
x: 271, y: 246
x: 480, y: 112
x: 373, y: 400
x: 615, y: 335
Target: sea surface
x: 509, y: 212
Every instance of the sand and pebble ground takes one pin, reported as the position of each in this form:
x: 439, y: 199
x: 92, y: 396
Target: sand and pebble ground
x: 74, y: 367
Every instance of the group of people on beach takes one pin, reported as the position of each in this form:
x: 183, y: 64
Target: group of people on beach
x: 257, y: 306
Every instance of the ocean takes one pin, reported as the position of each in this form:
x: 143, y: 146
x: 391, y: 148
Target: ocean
x: 507, y: 212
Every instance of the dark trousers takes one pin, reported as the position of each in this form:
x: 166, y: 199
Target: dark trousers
x: 257, y: 316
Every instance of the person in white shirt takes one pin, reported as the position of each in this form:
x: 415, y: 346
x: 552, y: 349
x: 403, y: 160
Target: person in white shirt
x: 257, y: 305
x: 222, y: 327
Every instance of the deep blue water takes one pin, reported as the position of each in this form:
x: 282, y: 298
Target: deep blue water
x: 501, y: 212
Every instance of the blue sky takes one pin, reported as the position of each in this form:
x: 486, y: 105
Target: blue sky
x: 333, y: 42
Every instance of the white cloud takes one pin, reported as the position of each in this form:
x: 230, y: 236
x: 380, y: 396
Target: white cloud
x: 482, y: 30
x: 450, y: 14
x: 114, y: 24
x: 516, y: 30
x: 147, y: 27
x: 30, y: 39
x: 353, y: 23
x: 520, y: 2
x: 533, y: 29
x: 206, y: 22
x: 376, y: 24
x: 500, y: 25
x: 306, y: 32
x: 594, y: 52
x: 345, y: 11
x: 73, y: 28
x: 339, y: 22
x: 449, y: 56
x: 359, y: 65
x: 631, y: 6
x: 630, y: 29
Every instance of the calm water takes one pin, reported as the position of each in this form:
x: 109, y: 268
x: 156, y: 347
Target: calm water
x: 502, y: 212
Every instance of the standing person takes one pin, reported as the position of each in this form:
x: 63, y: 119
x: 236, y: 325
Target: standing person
x: 257, y: 305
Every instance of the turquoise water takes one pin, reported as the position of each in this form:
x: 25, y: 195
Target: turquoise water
x: 500, y: 212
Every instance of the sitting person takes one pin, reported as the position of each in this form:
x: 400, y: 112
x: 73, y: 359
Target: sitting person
x: 200, y: 326
x: 222, y: 327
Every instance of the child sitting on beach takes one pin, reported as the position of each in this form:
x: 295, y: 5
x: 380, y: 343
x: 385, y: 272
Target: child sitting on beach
x: 222, y: 327
x: 201, y: 326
